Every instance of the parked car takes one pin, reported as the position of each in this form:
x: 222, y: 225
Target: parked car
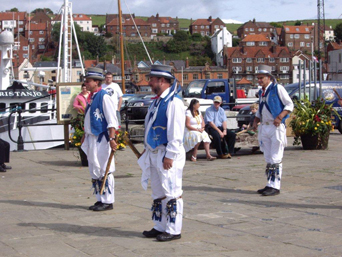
x: 137, y: 107
x: 244, y: 116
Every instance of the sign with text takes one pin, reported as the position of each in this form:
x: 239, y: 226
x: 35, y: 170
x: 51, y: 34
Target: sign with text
x: 66, y: 93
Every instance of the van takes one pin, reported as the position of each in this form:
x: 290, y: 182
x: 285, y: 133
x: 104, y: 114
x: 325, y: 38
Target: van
x: 328, y: 95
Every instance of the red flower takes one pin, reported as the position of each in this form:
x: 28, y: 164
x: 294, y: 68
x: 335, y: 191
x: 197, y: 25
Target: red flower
x: 317, y: 118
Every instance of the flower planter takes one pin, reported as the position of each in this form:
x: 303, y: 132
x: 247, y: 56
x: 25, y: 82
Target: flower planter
x: 315, y: 142
x: 83, y: 156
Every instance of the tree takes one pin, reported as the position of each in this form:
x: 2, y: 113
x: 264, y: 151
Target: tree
x: 196, y: 37
x: 338, y: 31
x: 181, y: 36
x: 276, y: 25
x: 236, y: 42
x: 46, y: 10
x: 298, y: 23
x: 15, y: 9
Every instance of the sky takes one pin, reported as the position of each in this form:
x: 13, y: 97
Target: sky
x: 227, y: 10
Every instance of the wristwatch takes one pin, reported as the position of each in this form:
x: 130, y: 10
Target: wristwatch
x: 111, y: 138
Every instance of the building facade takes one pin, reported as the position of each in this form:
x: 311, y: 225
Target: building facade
x: 128, y: 27
x: 253, y: 28
x: 206, y: 27
x: 163, y: 25
x: 13, y: 21
x: 297, y: 37
x: 222, y: 37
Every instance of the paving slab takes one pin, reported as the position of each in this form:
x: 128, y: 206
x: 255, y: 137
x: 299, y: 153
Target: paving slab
x: 44, y: 201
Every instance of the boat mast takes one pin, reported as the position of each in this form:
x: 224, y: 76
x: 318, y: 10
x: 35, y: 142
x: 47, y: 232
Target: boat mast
x: 121, y: 49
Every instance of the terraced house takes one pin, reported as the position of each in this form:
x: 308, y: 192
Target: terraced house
x: 242, y: 61
x: 164, y: 25
x: 206, y: 27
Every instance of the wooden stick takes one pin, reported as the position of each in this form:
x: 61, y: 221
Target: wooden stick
x: 338, y: 95
x: 130, y: 144
x: 107, y: 171
x: 242, y: 131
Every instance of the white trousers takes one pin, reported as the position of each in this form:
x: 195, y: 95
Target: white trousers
x: 167, y: 183
x: 272, y: 141
x: 98, y: 154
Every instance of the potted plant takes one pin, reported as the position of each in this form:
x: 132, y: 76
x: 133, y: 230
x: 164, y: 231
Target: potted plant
x: 311, y: 123
x: 77, y: 124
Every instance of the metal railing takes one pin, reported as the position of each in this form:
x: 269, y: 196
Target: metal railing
x: 49, y: 113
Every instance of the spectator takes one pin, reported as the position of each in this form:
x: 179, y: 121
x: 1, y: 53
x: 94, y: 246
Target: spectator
x: 216, y: 124
x: 194, y: 131
x: 254, y: 108
x: 81, y: 100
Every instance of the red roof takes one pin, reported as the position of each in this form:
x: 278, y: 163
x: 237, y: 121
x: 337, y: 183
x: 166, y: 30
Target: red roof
x: 254, y: 51
x: 76, y: 17
x: 89, y: 63
x: 244, y: 81
x: 336, y: 46
x: 12, y: 15
x: 204, y: 22
x: 256, y: 38
x: 298, y: 29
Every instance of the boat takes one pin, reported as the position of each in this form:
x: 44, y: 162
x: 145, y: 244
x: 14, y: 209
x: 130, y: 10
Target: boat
x: 28, y: 119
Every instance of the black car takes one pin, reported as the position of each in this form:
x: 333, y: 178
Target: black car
x: 137, y: 107
x: 244, y: 116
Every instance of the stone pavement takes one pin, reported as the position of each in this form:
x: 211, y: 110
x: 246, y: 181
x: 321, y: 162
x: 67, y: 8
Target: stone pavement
x: 44, y: 201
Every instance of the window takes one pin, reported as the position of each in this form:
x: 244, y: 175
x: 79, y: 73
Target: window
x: 133, y: 34
x: 287, y: 29
x: 21, y: 29
x: 271, y: 59
x: 25, y: 56
x: 219, y: 75
x: 259, y: 60
x: 154, y: 25
x: 265, y: 29
x: 31, y: 40
x: 154, y: 31
x: 251, y: 29
x: 195, y: 27
x: 284, y: 68
x: 215, y: 87
x: 21, y: 22
x: 246, y: 29
x: 168, y: 25
x: 185, y: 76
x: 163, y: 25
x: 238, y: 77
x: 249, y: 77
x: 249, y: 68
x: 25, y: 48
x: 216, y: 26
x: 307, y: 36
x: 32, y: 46
x: 284, y: 77
x: 207, y: 27
x: 41, y: 32
x: 297, y: 29
x: 262, y: 43
x: 284, y: 59
x: 30, y: 33
x: 207, y: 75
x: 296, y: 36
x: 250, y: 43
x: 307, y: 44
x: 291, y: 36
x: 302, y: 44
x: 273, y: 68
x: 41, y: 46
x: 41, y: 39
x: 249, y: 60
x: 236, y: 68
x: 202, y: 27
x: 237, y: 60
x: 259, y: 29
x: 290, y: 44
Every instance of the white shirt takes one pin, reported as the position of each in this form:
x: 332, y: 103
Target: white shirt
x: 114, y: 90
x: 175, y: 125
x: 285, y: 99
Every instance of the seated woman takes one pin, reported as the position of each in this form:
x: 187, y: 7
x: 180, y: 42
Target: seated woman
x: 194, y: 132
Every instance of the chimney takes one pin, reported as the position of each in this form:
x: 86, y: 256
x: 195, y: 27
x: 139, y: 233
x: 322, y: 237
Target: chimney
x: 157, y: 15
x: 187, y: 63
x: 210, y: 18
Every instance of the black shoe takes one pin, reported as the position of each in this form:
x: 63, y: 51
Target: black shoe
x: 167, y: 237
x: 270, y: 192
x: 4, y: 166
x: 2, y: 169
x: 103, y: 207
x: 260, y: 191
x: 152, y: 233
x: 95, y: 205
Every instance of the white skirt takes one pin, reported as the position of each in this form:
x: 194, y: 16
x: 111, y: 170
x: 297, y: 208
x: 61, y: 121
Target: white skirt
x: 192, y: 138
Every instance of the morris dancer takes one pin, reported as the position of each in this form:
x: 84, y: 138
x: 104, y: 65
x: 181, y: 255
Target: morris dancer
x: 100, y: 123
x: 274, y: 106
x: 163, y: 158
